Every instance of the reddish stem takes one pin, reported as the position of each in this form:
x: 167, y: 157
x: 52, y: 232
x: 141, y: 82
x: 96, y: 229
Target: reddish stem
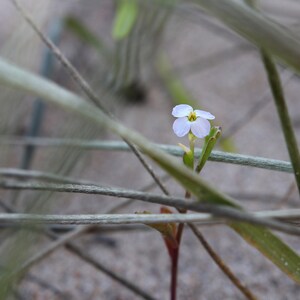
x: 174, y: 263
x: 175, y: 255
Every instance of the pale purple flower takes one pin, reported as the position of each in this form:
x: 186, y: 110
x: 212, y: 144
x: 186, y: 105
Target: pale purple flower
x: 191, y: 120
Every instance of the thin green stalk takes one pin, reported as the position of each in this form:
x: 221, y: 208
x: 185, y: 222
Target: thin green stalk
x: 228, y: 212
x: 68, y: 222
x: 99, y: 219
x: 216, y: 156
x: 282, y: 109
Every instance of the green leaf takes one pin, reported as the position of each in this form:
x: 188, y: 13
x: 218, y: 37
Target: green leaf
x: 125, y: 19
x: 271, y: 246
x: 209, y: 144
x: 167, y: 230
x: 188, y: 156
x: 188, y: 159
x: 262, y: 239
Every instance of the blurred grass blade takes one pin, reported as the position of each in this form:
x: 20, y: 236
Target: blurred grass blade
x: 86, y: 35
x: 175, y: 87
x: 126, y: 15
x: 257, y: 28
x: 265, y: 241
x: 38, y: 111
x: 282, y: 109
x: 226, y: 144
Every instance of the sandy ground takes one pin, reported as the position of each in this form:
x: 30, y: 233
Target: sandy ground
x: 228, y: 89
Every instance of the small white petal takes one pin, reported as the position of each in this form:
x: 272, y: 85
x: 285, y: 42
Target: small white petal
x: 200, y: 128
x: 181, y: 126
x: 204, y: 114
x: 181, y: 110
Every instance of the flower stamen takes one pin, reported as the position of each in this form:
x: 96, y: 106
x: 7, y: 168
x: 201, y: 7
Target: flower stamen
x: 192, y: 116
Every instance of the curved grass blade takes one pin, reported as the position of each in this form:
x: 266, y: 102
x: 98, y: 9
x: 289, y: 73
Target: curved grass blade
x: 257, y: 28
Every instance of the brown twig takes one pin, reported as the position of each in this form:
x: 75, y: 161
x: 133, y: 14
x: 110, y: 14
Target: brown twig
x: 220, y: 263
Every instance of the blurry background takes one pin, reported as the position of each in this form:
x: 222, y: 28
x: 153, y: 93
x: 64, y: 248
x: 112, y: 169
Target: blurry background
x: 172, y: 54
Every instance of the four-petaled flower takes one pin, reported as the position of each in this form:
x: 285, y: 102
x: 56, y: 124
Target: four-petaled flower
x: 191, y: 120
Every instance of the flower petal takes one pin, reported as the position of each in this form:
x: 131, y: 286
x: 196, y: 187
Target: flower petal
x: 204, y: 114
x: 181, y: 110
x: 200, y: 128
x: 181, y: 126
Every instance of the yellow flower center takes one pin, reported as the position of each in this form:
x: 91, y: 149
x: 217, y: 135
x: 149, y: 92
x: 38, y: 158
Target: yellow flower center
x: 192, y: 116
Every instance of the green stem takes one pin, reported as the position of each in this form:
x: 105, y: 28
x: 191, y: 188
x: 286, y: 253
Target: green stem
x: 282, y: 109
x: 216, y: 156
x: 208, y: 146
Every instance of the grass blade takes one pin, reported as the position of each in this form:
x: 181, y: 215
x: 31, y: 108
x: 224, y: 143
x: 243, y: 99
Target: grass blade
x: 257, y: 28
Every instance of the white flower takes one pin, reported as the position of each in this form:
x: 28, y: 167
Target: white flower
x: 191, y: 120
